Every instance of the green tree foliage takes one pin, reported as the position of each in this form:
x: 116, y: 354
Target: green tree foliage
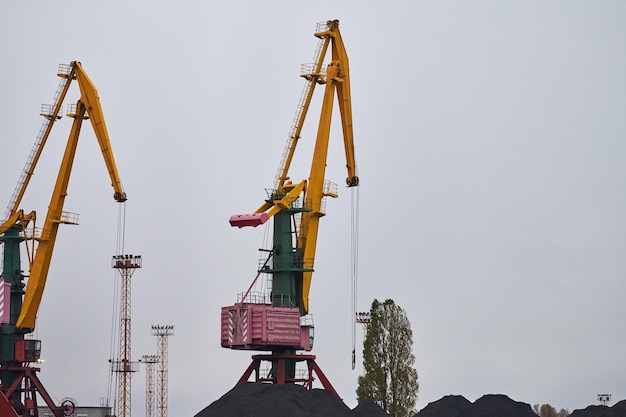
x: 389, y: 379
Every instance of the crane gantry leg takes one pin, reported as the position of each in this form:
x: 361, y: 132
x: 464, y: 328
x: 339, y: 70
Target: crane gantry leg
x: 279, y: 373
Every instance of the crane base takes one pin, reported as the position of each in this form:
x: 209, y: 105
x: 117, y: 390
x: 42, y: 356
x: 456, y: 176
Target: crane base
x: 279, y: 375
x: 26, y: 383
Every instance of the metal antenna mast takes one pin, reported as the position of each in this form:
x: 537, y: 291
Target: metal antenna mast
x: 149, y: 360
x: 123, y: 365
x: 162, y: 333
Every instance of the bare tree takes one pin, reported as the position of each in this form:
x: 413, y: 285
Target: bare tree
x: 547, y: 410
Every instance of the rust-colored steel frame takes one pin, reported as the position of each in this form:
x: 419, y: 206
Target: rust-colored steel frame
x: 280, y: 377
x: 33, y: 386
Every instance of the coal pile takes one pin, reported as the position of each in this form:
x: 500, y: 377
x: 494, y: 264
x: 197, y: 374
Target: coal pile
x: 368, y: 409
x: 503, y: 406
x: 617, y: 410
x: 493, y: 405
x: 448, y: 406
x: 255, y: 399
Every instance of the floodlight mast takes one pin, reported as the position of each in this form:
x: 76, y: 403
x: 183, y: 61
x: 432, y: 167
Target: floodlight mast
x: 604, y: 399
x: 150, y: 361
x: 124, y: 367
x: 162, y: 333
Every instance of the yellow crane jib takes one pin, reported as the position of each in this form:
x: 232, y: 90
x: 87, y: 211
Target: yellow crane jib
x: 89, y: 96
x: 274, y: 318
x: 88, y: 106
x: 270, y: 208
x: 312, y: 191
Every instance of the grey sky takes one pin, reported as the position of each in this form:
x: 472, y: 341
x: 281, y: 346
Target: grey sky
x: 490, y: 146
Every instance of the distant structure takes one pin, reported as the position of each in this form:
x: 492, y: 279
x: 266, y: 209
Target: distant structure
x: 123, y: 366
x: 162, y: 333
x: 79, y: 411
x: 365, y: 319
x: 150, y: 361
x: 604, y: 399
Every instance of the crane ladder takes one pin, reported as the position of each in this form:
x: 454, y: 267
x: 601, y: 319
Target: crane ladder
x: 308, y: 85
x: 50, y: 113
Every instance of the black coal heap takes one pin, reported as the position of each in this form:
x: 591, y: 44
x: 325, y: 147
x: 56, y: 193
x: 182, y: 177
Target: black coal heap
x: 255, y: 399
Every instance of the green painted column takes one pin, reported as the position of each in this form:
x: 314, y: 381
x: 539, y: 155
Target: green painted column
x: 283, y: 269
x: 11, y: 272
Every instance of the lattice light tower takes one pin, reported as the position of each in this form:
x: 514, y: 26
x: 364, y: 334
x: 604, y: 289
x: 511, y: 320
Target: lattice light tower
x: 162, y: 333
x: 150, y: 361
x: 604, y: 398
x: 365, y: 319
x: 123, y: 366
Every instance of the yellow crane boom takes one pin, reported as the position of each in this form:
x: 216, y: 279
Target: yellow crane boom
x: 88, y: 106
x: 336, y: 79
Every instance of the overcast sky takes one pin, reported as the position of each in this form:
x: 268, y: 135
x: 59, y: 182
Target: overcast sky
x: 490, y: 143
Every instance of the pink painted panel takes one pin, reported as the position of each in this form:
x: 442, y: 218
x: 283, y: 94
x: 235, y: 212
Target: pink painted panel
x: 235, y: 326
x: 243, y: 220
x: 305, y: 338
x: 283, y: 326
x: 5, y: 302
x: 262, y: 327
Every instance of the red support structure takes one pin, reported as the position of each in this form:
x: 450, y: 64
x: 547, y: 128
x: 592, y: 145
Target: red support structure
x: 29, y: 383
x: 6, y: 409
x: 280, y: 377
